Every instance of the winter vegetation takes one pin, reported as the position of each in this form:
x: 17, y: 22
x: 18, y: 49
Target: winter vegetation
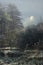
x: 19, y: 45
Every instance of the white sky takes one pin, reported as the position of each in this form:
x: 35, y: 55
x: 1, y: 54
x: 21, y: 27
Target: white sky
x: 27, y: 7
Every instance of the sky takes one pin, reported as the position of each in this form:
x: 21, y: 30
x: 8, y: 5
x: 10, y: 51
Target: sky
x: 27, y: 7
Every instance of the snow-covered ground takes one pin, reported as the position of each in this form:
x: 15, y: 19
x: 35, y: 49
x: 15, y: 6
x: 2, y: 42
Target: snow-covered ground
x: 30, y: 58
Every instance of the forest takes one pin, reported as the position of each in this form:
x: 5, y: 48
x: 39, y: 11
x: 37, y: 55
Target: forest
x: 19, y: 45
x: 12, y: 33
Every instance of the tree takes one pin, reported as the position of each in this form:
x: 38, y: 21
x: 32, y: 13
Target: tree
x: 15, y: 16
x: 32, y: 38
x: 16, y: 25
x: 4, y: 21
x: 10, y: 25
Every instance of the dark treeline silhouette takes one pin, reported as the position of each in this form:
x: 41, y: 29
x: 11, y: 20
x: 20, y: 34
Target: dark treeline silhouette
x: 32, y: 38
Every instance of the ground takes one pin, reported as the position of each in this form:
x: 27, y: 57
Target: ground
x: 29, y: 57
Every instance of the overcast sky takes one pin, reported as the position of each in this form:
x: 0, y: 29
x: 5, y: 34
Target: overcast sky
x: 27, y: 7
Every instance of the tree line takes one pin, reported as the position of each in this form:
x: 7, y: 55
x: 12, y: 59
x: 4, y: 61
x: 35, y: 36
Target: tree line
x: 12, y: 33
x: 32, y: 38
